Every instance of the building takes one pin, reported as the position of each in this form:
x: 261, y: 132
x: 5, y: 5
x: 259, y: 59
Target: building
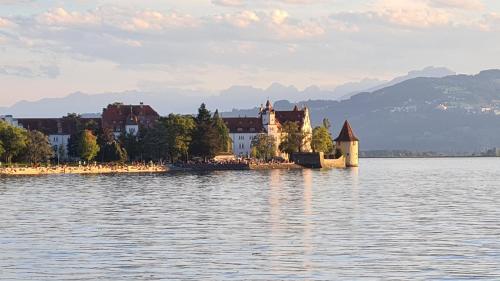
x: 120, y: 118
x: 9, y: 119
x: 348, y: 144
x: 242, y: 130
x: 58, y: 130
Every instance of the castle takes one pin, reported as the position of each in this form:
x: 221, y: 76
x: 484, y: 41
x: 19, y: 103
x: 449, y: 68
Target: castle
x: 119, y: 118
x: 243, y: 130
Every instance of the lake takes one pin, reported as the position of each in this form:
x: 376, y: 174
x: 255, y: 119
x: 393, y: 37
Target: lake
x: 390, y: 219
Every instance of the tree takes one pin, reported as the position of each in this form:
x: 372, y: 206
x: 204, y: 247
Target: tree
x: 327, y: 124
x: 13, y: 141
x: 133, y: 145
x: 75, y: 123
x: 88, y: 147
x: 110, y: 149
x: 179, y: 131
x: 209, y: 137
x: 322, y: 140
x: 224, y: 140
x: 2, y: 150
x: 154, y: 142
x: 38, y: 148
x: 113, y: 152
x: 263, y: 147
x: 292, y: 138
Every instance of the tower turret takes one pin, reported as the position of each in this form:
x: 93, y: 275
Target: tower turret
x: 348, y: 144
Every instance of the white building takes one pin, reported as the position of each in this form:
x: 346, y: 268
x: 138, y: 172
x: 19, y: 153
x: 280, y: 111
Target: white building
x: 243, y: 130
x: 9, y: 119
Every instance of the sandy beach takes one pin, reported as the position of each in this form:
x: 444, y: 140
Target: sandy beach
x: 94, y: 169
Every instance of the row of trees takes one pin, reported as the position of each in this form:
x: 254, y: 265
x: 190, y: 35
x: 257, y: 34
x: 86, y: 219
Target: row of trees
x: 19, y: 145
x: 175, y: 137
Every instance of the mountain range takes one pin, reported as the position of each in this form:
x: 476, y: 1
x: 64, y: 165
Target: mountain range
x: 187, y: 101
x: 453, y: 114
x: 441, y: 112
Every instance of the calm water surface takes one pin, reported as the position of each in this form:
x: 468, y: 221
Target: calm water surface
x: 399, y: 219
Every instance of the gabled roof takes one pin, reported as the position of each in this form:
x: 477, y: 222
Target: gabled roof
x: 122, y: 112
x: 244, y: 124
x: 291, y: 116
x: 346, y: 134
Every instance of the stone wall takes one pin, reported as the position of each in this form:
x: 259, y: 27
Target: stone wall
x: 316, y: 160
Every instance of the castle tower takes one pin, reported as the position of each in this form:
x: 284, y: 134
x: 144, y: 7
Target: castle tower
x: 348, y: 143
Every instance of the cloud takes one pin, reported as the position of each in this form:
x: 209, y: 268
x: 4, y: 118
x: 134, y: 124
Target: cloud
x: 62, y: 18
x: 458, y: 4
x: 279, y: 16
x: 241, y: 19
x: 43, y: 71
x: 229, y: 3
x: 410, y: 13
x: 5, y: 23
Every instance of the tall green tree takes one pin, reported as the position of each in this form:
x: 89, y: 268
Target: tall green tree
x: 133, y: 144
x: 38, y: 148
x: 263, y: 147
x: 88, y: 147
x: 207, y: 139
x: 292, y: 138
x: 179, y: 135
x: 113, y: 152
x: 154, y: 142
x: 322, y: 140
x: 75, y: 123
x: 2, y: 150
x: 224, y: 139
x: 13, y: 141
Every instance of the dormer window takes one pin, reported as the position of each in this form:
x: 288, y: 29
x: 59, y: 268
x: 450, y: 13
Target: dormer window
x: 240, y: 129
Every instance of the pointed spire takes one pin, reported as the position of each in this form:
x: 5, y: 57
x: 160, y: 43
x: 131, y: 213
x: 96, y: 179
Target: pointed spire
x: 295, y: 108
x: 346, y: 134
x: 268, y: 104
x: 216, y: 114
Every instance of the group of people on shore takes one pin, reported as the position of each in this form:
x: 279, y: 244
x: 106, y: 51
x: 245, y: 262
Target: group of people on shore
x: 82, y: 168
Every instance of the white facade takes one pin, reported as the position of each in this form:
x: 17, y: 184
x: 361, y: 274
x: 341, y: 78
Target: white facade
x: 242, y: 143
x: 132, y: 129
x: 9, y: 119
x: 242, y: 135
x: 60, y: 144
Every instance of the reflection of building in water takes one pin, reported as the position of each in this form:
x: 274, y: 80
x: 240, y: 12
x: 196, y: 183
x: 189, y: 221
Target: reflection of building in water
x: 308, y: 212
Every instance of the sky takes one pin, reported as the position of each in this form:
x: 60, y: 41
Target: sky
x: 54, y: 48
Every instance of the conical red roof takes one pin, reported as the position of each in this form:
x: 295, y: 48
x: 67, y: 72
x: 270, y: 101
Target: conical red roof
x: 346, y: 134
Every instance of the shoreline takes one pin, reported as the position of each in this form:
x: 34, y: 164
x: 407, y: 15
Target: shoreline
x: 82, y: 170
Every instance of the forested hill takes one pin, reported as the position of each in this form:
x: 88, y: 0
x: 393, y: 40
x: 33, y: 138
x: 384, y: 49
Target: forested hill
x: 458, y: 113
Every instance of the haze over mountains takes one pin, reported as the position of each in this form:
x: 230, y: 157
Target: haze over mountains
x: 442, y: 113
x: 185, y: 101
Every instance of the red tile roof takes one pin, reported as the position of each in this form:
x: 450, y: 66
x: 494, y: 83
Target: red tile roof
x: 116, y: 116
x: 54, y: 126
x: 244, y: 124
x: 291, y: 116
x: 346, y: 134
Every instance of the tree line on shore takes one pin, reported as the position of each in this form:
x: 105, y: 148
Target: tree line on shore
x: 172, y: 138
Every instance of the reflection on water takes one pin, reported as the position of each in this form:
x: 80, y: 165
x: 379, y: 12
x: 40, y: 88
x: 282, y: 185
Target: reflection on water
x: 389, y: 219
